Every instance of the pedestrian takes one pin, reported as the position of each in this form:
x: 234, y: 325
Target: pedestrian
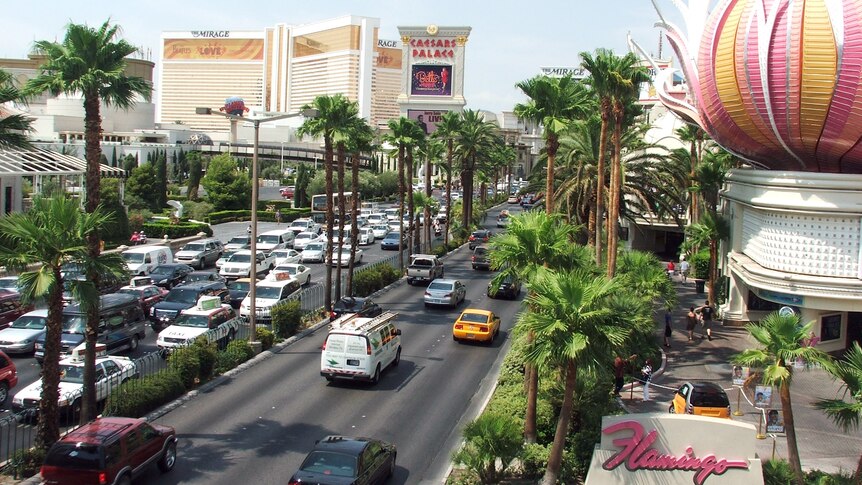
x: 646, y: 378
x: 134, y: 238
x: 668, y: 329
x: 278, y: 216
x: 683, y: 268
x: 248, y: 230
x: 671, y: 269
x: 690, y: 323
x: 620, y: 372
x: 706, y: 313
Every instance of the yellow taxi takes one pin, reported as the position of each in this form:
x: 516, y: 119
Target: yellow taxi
x: 473, y: 324
x: 701, y: 399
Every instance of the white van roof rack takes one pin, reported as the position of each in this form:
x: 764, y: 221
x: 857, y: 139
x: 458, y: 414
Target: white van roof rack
x: 354, y: 322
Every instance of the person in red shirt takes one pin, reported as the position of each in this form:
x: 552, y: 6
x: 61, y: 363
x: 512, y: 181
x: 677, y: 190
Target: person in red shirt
x: 620, y: 372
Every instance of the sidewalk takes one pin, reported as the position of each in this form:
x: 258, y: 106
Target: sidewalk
x: 822, y: 445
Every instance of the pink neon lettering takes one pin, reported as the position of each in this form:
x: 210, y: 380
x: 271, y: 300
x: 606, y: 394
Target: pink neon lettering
x: 637, y: 453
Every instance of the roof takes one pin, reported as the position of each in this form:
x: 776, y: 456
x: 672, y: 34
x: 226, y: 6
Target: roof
x: 146, y: 249
x: 98, y: 430
x: 476, y: 311
x: 37, y: 161
x: 105, y: 301
x: 342, y: 444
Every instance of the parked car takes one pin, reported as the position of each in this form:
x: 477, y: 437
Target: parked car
x: 701, y: 399
x: 513, y: 199
x: 238, y: 289
x: 509, y: 288
x: 303, y: 239
x: 314, y: 252
x: 297, y: 271
x: 391, y: 241
x: 475, y: 324
x: 9, y: 283
x: 170, y: 275
x: 8, y: 377
x: 445, y: 292
x: 140, y: 260
x: 288, y: 192
x: 199, y: 254
x: 238, y: 242
x: 217, y: 321
x: 304, y: 225
x: 202, y: 276
x: 11, y: 308
x: 110, y: 450
x: 365, y: 236
x: 269, y: 293
x: 479, y: 237
x: 21, y: 336
x: 277, y: 239
x: 182, y: 297
x: 424, y: 268
x: 224, y: 257
x: 365, y: 307
x: 148, y: 295
x: 341, y: 460
x: 283, y: 256
x: 481, y: 258
x: 343, y: 256
x: 240, y: 264
x: 380, y: 230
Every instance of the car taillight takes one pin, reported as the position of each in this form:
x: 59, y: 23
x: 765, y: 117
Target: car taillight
x: 103, y: 478
x: 368, y: 347
x: 294, y: 482
x: 483, y: 328
x: 331, y: 315
x: 323, y: 347
x: 458, y: 326
x: 473, y: 259
x: 472, y: 237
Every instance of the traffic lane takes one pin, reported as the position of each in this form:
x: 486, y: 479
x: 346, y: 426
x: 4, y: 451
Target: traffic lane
x: 267, y: 437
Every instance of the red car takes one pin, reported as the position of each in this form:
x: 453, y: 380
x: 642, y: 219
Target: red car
x: 8, y: 376
x: 148, y: 295
x: 109, y: 450
x: 287, y: 192
x: 11, y: 308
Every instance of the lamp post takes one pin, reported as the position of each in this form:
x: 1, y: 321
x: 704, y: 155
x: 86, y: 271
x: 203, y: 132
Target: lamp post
x: 267, y: 117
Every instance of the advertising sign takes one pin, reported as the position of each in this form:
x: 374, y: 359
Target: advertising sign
x: 427, y: 119
x: 774, y: 421
x: 739, y: 375
x: 431, y: 80
x: 560, y: 71
x: 388, y: 54
x: 209, y: 49
x: 762, y: 396
x: 234, y: 105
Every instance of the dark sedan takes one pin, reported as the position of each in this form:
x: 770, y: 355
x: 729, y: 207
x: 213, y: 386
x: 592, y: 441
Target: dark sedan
x: 508, y: 288
x: 390, y: 241
x: 479, y: 237
x: 337, y: 460
x: 170, y: 275
x: 238, y: 289
x: 202, y: 276
x: 349, y: 304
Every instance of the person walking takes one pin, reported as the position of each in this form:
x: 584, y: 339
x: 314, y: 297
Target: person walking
x: 706, y: 313
x: 646, y: 378
x: 248, y: 230
x: 690, y: 323
x: 668, y: 329
x: 620, y: 372
x: 683, y: 269
x: 278, y: 216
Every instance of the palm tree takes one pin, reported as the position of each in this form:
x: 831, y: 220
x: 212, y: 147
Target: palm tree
x: 695, y: 136
x: 711, y: 230
x: 847, y: 414
x: 361, y: 141
x: 430, y: 151
x: 13, y: 126
x: 402, y: 134
x: 335, y: 115
x: 579, y: 154
x: 448, y: 130
x: 709, y: 177
x: 579, y: 319
x: 555, y: 103
x: 476, y: 139
x: 90, y: 62
x: 780, y: 344
x: 52, y: 233
x: 415, y: 138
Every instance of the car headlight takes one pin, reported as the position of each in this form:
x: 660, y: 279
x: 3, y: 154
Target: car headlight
x: 152, y: 311
x: 18, y: 401
x: 38, y: 346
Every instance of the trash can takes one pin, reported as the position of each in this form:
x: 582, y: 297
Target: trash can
x: 699, y: 286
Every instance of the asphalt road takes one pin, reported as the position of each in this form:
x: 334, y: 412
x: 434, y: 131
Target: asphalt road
x: 257, y: 427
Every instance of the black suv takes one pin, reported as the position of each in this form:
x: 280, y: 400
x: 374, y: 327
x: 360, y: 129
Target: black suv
x: 169, y: 275
x: 481, y: 258
x: 509, y: 288
x: 183, y: 297
x: 349, y: 304
x: 337, y: 460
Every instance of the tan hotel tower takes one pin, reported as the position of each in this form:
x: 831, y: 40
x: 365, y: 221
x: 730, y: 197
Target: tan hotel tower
x: 280, y: 68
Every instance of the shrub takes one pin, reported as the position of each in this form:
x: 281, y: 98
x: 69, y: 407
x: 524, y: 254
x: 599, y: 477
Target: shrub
x: 197, y: 210
x: 207, y: 353
x: 367, y: 282
x: 159, y: 228
x: 777, y: 472
x: 441, y: 250
x: 388, y: 275
x: 286, y: 319
x: 534, y: 460
x: 235, y: 354
x: 187, y: 364
x: 137, y: 397
x: 491, y: 437
x: 700, y: 265
x: 26, y: 463
x: 265, y: 336
x: 287, y: 215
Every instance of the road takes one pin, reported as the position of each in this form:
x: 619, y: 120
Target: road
x: 258, y: 427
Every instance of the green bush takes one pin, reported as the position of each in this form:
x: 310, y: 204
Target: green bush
x: 287, y: 215
x: 388, y: 274
x: 700, y: 265
x: 159, y: 228
x: 534, y: 460
x: 137, y: 397
x: 207, y: 353
x: 187, y: 364
x: 440, y: 250
x: 488, y: 439
x: 180, y: 198
x: 286, y: 319
x: 235, y: 354
x: 197, y: 210
x: 26, y: 463
x: 779, y: 472
x: 265, y: 337
x: 367, y: 282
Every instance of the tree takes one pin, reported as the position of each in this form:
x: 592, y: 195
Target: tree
x: 118, y: 230
x: 695, y: 136
x: 304, y: 174
x: 430, y: 152
x: 402, y: 135
x: 227, y: 188
x: 335, y: 115
x: 195, y: 174
x: 52, y: 233
x: 161, y: 181
x: 711, y: 230
x: 448, y: 130
x: 14, y: 127
x: 847, y: 414
x: 361, y: 141
x: 579, y: 319
x: 140, y: 187
x: 92, y: 63
x: 476, y: 140
x: 780, y: 344
x: 129, y: 163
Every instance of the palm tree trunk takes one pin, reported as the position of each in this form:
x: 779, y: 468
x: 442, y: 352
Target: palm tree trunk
x: 616, y: 189
x: 342, y: 213
x: 48, y: 429
x: 410, y: 209
x: 591, y: 225
x: 551, y: 146
x: 327, y: 142
x: 354, y: 236
x: 401, y: 208
x: 857, y: 477
x: 449, y: 156
x: 600, y: 179
x: 531, y: 435
x: 693, y: 211
x: 790, y: 430
x: 93, y: 149
x: 713, y: 269
x: 427, y: 212
x: 555, y: 458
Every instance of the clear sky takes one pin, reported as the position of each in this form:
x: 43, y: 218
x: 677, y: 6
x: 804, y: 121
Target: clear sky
x: 509, y: 42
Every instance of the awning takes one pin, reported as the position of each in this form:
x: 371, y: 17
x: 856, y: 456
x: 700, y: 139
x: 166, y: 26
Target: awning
x: 37, y: 161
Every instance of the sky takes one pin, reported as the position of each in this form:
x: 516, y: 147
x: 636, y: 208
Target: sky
x: 509, y: 42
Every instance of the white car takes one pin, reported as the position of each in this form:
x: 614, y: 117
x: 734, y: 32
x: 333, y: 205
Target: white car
x: 111, y: 371
x: 365, y: 236
x: 268, y: 293
x: 314, y: 252
x: 208, y: 314
x: 380, y: 231
x: 239, y: 265
x: 377, y: 218
x: 304, y: 225
x: 456, y: 196
x: 343, y: 257
x: 20, y: 337
x: 303, y: 238
x: 224, y: 257
x: 361, y: 221
x: 285, y: 256
x: 237, y: 242
x: 297, y: 271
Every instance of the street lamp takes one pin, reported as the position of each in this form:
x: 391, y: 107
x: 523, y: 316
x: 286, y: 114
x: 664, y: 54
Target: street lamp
x: 267, y: 117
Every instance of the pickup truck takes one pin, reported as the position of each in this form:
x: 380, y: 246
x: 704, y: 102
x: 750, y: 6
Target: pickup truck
x: 424, y: 267
x: 239, y: 265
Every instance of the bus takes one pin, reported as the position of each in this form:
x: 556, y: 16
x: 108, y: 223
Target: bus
x: 318, y: 205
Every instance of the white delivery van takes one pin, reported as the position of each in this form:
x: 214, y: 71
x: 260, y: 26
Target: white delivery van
x: 360, y: 348
x: 142, y: 259
x: 278, y: 239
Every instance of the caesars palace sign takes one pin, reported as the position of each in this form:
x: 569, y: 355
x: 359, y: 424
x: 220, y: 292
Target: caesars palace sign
x: 675, y: 449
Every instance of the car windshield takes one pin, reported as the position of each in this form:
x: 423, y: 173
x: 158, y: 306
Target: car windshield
x: 199, y: 321
x: 196, y: 247
x: 72, y: 373
x: 78, y: 456
x: 182, y: 295
x: 30, y: 323
x: 240, y: 258
x: 480, y: 234
x: 162, y: 271
x: 133, y: 257
x: 269, y: 292
x: 304, y: 235
x: 474, y: 318
x: 74, y: 324
x: 239, y: 285
x: 281, y: 254
x: 436, y: 285
x: 314, y: 247
x: 239, y: 240
x: 130, y: 291
x: 268, y: 239
x: 393, y: 235
x: 199, y: 277
x: 710, y: 398
x: 381, y: 228
x: 9, y: 283
x: 330, y: 463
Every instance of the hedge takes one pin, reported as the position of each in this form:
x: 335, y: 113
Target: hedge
x: 138, y: 397
x: 286, y: 319
x: 235, y: 354
x: 287, y: 215
x: 159, y: 228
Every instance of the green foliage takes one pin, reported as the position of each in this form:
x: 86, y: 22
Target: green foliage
x: 207, y: 353
x: 26, y: 463
x: 534, y: 459
x: 195, y: 173
x: 156, y: 229
x: 286, y: 319
x: 137, y: 397
x: 198, y: 211
x: 138, y: 218
x: 440, y: 250
x: 287, y: 215
x: 491, y: 437
x: 141, y: 186
x: 227, y: 188
x: 186, y: 363
x: 388, y: 274
x: 367, y: 282
x: 700, y: 264
x: 161, y: 194
x: 388, y: 183
x: 129, y: 162
x: 235, y: 354
x: 304, y: 174
x: 265, y: 337
x: 118, y: 231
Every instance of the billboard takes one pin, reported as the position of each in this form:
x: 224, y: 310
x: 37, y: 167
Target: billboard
x: 388, y: 54
x: 431, y: 80
x: 427, y: 118
x: 212, y: 49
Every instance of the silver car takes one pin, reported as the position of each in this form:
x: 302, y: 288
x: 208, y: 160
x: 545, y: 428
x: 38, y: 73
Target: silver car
x: 20, y: 337
x: 445, y: 292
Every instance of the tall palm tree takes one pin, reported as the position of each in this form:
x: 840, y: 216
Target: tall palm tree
x: 335, y: 115
x: 448, y: 130
x: 711, y: 230
x: 402, y: 134
x: 416, y: 137
x: 14, y: 127
x: 847, y: 414
x: 52, y: 233
x: 696, y: 137
x: 476, y: 139
x: 579, y: 319
x: 90, y: 62
x: 579, y: 154
x: 709, y: 177
x: 361, y: 141
x: 555, y: 103
x: 431, y: 152
x: 779, y: 344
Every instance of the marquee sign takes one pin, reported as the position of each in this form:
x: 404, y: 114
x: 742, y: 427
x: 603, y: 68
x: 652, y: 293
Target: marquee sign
x: 675, y: 449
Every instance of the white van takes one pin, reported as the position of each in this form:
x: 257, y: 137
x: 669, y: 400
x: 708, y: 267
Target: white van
x: 277, y: 239
x: 142, y: 259
x: 360, y: 348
